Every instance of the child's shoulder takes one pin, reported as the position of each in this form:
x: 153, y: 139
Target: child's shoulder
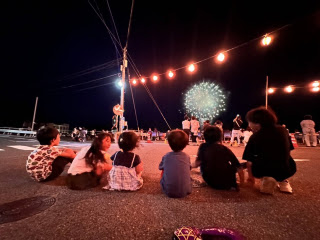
x: 176, y: 154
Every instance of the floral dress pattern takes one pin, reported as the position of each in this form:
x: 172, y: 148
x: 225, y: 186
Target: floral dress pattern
x: 39, y: 163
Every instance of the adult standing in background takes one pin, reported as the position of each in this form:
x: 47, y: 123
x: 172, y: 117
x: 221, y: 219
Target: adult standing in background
x: 195, y: 125
x: 237, y: 122
x: 186, y: 126
x: 308, y: 130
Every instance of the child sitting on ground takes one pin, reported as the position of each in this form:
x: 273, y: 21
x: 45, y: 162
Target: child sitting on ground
x: 47, y: 162
x: 176, y: 180
x: 90, y: 163
x: 217, y: 163
x: 127, y: 166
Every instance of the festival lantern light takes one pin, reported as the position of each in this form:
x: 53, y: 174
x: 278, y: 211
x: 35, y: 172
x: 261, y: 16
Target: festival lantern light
x: 134, y: 81
x: 191, y: 68
x: 289, y: 89
x: 155, y: 77
x: 315, y: 84
x: 271, y: 90
x: 170, y: 74
x: 315, y: 89
x: 266, y: 40
x: 143, y: 80
x: 221, y: 57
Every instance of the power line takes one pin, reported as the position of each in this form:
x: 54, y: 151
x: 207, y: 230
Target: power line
x: 94, y: 80
x: 89, y: 70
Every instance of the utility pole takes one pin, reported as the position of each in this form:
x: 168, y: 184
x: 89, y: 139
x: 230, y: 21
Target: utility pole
x: 267, y: 92
x: 34, y: 114
x: 123, y: 69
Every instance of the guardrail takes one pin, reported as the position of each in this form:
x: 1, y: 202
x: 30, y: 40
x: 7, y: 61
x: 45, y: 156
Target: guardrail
x: 18, y: 132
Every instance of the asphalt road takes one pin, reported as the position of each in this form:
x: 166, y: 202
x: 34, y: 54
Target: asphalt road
x: 148, y: 213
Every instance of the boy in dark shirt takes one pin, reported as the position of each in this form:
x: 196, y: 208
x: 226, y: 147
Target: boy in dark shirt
x: 176, y: 180
x: 217, y: 163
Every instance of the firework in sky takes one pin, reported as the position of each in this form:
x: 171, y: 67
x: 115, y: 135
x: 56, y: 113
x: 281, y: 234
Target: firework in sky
x: 205, y: 100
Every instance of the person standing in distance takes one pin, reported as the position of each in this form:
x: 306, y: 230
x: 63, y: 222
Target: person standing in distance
x: 237, y: 122
x: 186, y: 126
x: 308, y: 130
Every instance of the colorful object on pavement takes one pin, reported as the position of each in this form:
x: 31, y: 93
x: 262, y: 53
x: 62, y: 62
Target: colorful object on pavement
x: 192, y: 233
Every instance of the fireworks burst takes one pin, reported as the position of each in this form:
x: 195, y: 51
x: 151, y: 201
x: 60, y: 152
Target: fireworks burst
x: 205, y: 100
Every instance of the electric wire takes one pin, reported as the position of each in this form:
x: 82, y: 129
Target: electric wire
x: 89, y: 70
x: 94, y: 80
x: 113, y: 38
x: 129, y: 25
x: 134, y: 105
x: 115, y: 28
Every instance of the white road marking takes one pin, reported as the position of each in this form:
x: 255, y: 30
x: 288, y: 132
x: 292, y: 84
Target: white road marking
x: 20, y: 147
x: 1, y: 149
x: 297, y: 159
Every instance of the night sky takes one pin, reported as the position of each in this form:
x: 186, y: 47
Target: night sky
x: 47, y: 44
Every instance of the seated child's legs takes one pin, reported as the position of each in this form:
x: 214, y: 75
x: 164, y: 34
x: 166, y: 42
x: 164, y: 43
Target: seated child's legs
x: 57, y: 167
x: 82, y: 181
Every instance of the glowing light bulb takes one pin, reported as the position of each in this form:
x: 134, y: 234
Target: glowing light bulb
x: 266, y: 40
x: 221, y: 57
x: 289, y: 89
x: 170, y: 74
x: 134, y: 82
x: 315, y: 84
x: 315, y: 89
x: 271, y: 90
x: 155, y: 77
x: 143, y: 80
x: 191, y: 68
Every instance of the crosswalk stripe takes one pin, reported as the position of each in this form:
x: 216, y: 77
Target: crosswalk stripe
x: 20, y: 147
x: 1, y: 149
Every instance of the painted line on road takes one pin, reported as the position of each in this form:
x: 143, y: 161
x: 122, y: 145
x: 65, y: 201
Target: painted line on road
x: 297, y: 159
x: 20, y: 147
x: 1, y: 150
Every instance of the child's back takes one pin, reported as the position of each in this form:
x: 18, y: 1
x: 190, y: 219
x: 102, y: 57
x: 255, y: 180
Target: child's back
x: 127, y: 166
x: 176, y: 180
x: 218, y: 165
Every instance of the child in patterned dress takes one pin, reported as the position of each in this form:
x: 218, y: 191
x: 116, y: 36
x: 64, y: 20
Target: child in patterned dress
x: 127, y: 166
x: 47, y: 162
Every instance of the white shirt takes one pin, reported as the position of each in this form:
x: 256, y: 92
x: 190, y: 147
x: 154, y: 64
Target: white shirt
x: 307, y: 124
x: 195, y: 126
x: 186, y: 124
x: 79, y: 164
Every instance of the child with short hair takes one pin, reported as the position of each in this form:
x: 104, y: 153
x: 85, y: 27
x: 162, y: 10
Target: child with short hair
x: 127, y: 166
x: 217, y: 163
x: 90, y: 164
x: 47, y: 162
x: 176, y: 181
